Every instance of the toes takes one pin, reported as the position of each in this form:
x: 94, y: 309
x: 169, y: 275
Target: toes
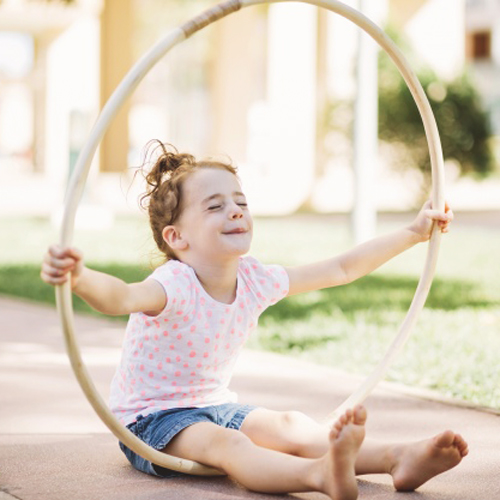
x: 461, y: 445
x: 356, y: 416
x: 359, y: 415
x: 348, y: 415
x: 337, y: 427
x: 343, y: 419
x: 445, y: 439
x: 334, y: 433
x: 341, y: 422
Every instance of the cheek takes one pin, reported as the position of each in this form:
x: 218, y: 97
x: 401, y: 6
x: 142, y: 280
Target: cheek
x: 210, y: 229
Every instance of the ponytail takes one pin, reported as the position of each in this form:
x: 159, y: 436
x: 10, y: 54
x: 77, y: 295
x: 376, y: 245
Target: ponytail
x: 168, y: 162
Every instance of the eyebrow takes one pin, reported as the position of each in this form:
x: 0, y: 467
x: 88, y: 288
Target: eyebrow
x: 219, y: 195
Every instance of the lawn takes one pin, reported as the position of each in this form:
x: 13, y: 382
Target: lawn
x: 455, y: 346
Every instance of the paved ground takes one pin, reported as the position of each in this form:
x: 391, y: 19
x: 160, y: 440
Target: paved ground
x: 53, y: 447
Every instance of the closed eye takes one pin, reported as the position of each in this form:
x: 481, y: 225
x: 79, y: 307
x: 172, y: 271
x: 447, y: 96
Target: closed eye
x: 214, y: 207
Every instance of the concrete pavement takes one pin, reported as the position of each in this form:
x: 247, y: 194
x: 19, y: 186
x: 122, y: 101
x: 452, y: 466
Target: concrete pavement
x: 53, y: 446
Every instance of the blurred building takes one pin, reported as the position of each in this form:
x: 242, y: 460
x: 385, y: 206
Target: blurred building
x: 482, y: 48
x: 253, y: 86
x: 49, y: 93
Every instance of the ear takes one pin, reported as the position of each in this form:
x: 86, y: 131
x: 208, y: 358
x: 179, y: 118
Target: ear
x: 173, y: 238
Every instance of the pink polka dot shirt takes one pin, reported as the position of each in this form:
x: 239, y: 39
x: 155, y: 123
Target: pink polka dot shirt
x: 185, y: 356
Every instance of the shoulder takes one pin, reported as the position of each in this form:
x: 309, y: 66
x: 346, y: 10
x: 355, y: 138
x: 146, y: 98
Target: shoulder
x: 172, y: 270
x: 267, y: 280
x: 250, y: 265
x: 178, y: 282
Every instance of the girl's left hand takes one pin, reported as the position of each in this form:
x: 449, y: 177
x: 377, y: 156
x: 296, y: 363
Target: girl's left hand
x: 425, y: 219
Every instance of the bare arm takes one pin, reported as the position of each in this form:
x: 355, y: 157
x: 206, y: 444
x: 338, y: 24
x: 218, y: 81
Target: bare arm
x: 365, y: 258
x: 113, y: 296
x: 103, y: 292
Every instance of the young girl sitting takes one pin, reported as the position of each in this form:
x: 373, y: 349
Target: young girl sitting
x: 189, y: 321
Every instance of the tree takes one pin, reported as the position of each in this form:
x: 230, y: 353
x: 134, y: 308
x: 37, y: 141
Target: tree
x: 463, y: 123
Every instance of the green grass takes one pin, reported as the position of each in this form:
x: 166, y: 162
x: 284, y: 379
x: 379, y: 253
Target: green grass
x: 453, y: 349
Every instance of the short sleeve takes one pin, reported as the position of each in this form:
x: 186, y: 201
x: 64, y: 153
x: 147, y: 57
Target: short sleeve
x: 176, y: 280
x: 268, y: 283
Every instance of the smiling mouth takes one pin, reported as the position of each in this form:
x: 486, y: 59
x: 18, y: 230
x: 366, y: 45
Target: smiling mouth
x: 236, y: 231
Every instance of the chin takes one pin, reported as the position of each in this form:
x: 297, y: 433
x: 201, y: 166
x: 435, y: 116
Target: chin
x: 239, y: 251
x: 239, y: 247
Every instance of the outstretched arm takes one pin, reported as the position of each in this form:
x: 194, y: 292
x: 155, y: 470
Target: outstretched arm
x: 103, y: 292
x: 365, y: 258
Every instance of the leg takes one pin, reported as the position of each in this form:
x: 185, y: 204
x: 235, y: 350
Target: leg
x: 410, y: 464
x: 290, y: 432
x: 270, y: 471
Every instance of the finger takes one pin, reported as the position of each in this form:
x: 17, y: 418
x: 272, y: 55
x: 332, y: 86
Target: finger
x: 61, y: 257
x: 54, y: 272
x: 75, y: 253
x: 448, y: 211
x: 63, y: 252
x: 444, y: 227
x: 57, y: 251
x: 447, y: 208
x: 65, y: 263
x: 437, y: 215
x: 53, y: 280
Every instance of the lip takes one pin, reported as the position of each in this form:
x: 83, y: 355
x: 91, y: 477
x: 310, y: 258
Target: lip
x: 237, y: 230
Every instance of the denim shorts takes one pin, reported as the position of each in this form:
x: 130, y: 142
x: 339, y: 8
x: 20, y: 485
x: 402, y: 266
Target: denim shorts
x: 159, y: 428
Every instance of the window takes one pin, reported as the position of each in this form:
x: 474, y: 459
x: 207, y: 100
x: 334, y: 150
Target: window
x: 480, y: 45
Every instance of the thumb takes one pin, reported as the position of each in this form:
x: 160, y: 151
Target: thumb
x: 436, y: 215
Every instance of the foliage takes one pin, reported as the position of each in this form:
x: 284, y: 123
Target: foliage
x: 463, y: 123
x: 23, y: 281
x: 453, y: 349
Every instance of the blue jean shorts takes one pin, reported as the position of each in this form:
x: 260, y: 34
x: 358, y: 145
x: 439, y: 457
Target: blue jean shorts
x: 159, y: 428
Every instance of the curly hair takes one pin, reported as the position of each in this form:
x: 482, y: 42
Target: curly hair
x: 163, y: 199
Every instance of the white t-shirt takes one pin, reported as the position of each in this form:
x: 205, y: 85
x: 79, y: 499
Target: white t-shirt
x: 184, y: 357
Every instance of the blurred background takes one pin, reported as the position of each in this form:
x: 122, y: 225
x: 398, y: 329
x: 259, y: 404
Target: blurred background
x: 328, y: 142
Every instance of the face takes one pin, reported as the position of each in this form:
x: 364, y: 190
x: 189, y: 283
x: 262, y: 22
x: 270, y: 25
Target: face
x: 215, y: 224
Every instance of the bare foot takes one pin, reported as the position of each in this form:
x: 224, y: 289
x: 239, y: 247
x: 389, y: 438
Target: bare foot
x: 417, y: 463
x: 346, y: 437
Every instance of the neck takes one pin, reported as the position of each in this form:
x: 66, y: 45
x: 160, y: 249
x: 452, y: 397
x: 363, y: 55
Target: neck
x: 219, y: 280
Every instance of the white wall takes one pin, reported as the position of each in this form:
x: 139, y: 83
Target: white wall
x: 437, y: 34
x: 72, y: 88
x: 281, y: 183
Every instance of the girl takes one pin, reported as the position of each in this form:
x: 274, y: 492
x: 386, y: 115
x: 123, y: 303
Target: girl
x: 191, y: 317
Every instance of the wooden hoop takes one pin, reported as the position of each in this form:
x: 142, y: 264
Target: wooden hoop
x: 79, y: 177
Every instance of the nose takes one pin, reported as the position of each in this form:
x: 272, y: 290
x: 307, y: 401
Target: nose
x: 236, y: 212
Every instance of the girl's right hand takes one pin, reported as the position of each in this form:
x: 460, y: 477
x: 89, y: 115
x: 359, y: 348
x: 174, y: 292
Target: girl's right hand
x: 58, y: 262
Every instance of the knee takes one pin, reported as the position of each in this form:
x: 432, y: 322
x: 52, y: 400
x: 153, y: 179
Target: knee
x: 226, y: 444
x: 297, y: 428
x: 306, y: 437
x: 293, y: 420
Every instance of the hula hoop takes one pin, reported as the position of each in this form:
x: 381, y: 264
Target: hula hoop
x: 77, y: 184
